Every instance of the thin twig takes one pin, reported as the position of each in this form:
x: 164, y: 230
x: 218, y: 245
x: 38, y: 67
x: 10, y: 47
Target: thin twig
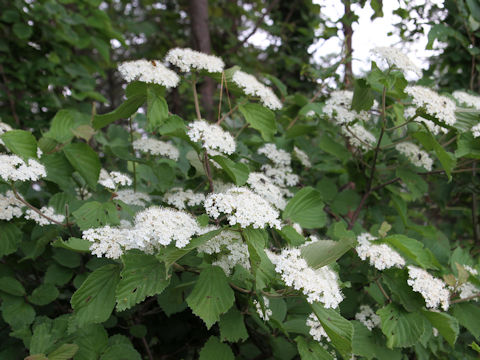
x: 133, y: 152
x: 195, y: 99
x: 315, y: 96
x: 383, y: 291
x: 207, y: 170
x: 10, y: 96
x: 456, y: 301
x: 220, y: 101
x: 476, y: 234
x: 147, y: 348
x: 228, y: 114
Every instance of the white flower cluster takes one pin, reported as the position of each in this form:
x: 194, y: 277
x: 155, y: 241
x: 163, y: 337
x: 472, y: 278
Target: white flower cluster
x: 468, y: 290
x: 278, y: 156
x: 188, y: 60
x: 113, y: 179
x: 436, y: 105
x: 416, y: 156
x: 381, y: 256
x: 316, y: 329
x: 338, y: 108
x: 156, y: 147
x: 47, y: 211
x: 359, y: 137
x: 395, y: 57
x: 263, y: 186
x: 152, y: 71
x: 433, y: 290
x: 432, y: 127
x: 268, y: 312
x: 108, y: 241
x: 243, y: 207
x: 318, y: 285
x: 3, y: 129
x: 465, y: 98
x: 476, y: 131
x: 302, y: 157
x: 10, y: 206
x: 83, y: 193
x: 212, y: 137
x: 251, y: 86
x: 13, y: 168
x: 130, y: 197
x: 180, y: 199
x: 368, y: 317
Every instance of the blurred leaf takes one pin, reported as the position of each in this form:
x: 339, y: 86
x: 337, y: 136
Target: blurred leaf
x: 306, y: 209
x: 261, y: 119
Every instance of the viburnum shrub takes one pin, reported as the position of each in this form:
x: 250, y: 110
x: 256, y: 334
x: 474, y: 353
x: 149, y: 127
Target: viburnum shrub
x: 285, y: 227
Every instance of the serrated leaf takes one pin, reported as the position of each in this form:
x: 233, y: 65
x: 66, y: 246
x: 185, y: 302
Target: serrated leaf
x: 84, y: 160
x: 232, y: 326
x: 44, y: 294
x: 11, y: 286
x: 468, y: 315
x: 211, y: 295
x: 306, y: 209
x: 143, y: 275
x: 125, y: 110
x: 16, y: 312
x: 64, y: 352
x: 413, y: 250
x: 262, y: 267
x: 325, y: 252
x: 401, y: 328
x: 10, y: 238
x: 260, y: 118
x: 447, y: 160
x: 92, y: 340
x: 238, y: 172
x: 339, y: 329
x: 94, y: 301
x: 94, y: 214
x: 311, y: 350
x: 446, y: 325
x: 371, y: 346
x: 42, y: 339
x: 214, y: 349
x: 21, y: 143
x: 73, y: 244
x: 59, y: 170
x: 157, y: 108
x: 63, y: 123
x: 120, y: 352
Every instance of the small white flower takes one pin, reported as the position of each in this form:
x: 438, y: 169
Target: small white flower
x: 302, y: 157
x: 316, y: 329
x: 251, y: 86
x: 113, y: 179
x: 433, y: 290
x: 368, y: 317
x: 130, y: 197
x: 47, y: 211
x: 212, y: 137
x: 476, y: 131
x: 263, y: 186
x: 282, y: 176
x: 381, y: 256
x: 3, y: 129
x: 156, y: 147
x: 180, y: 198
x: 10, y: 206
x: 13, y: 168
x: 108, y: 241
x: 395, y: 57
x: 188, y: 60
x: 268, y: 312
x: 359, y: 137
x: 150, y: 72
x: 338, y: 107
x: 436, y: 105
x: 278, y: 156
x: 432, y: 127
x: 467, y: 99
x: 416, y: 156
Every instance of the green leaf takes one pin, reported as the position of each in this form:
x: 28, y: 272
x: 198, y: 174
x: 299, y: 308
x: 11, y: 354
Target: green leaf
x: 10, y: 238
x: 11, y: 286
x: 64, y: 352
x: 59, y: 170
x: 73, y: 244
x: 278, y: 83
x: 16, y: 312
x: 143, y: 275
x: 84, y: 160
x: 42, y: 339
x: 125, y: 110
x: 94, y: 301
x: 306, y: 208
x: 238, y: 172
x: 474, y: 8
x: 157, y: 108
x: 325, y: 252
x: 401, y: 328
x: 63, y: 123
x: 262, y: 267
x: 211, y: 295
x: 92, y: 340
x: 44, y: 294
x: 120, y: 352
x: 291, y: 236
x: 260, y: 118
x: 401, y: 292
x: 22, y: 31
x: 362, y: 96
x: 413, y: 250
x: 214, y: 349
x: 446, y: 325
x: 21, y: 143
x: 468, y: 146
x: 414, y: 182
x: 332, y: 147
x: 338, y: 329
x: 371, y: 346
x: 94, y: 214
x: 468, y: 315
x: 311, y: 350
x: 138, y: 331
x: 447, y: 160
x: 232, y: 326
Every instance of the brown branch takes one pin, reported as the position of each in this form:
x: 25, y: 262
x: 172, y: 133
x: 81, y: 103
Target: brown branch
x: 195, y: 99
x: 255, y: 28
x: 208, y: 170
x: 476, y: 231
x: 10, y: 96
x: 465, y: 299
x: 383, y: 291
x: 147, y: 348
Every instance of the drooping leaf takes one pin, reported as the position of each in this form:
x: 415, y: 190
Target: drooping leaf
x: 63, y: 352
x: 238, y: 172
x: 21, y: 143
x: 401, y: 328
x: 157, y: 108
x: 446, y: 325
x: 211, y: 295
x: 125, y: 110
x: 413, y: 250
x: 260, y: 118
x: 11, y: 286
x: 306, y: 209
x: 467, y: 315
x: 84, y: 160
x: 325, y: 252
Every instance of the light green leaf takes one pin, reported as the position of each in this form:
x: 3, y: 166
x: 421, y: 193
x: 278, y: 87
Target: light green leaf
x: 306, y: 208
x: 63, y: 123
x: 94, y: 301
x: 214, y: 349
x: 362, y: 96
x: 84, y: 160
x: 211, y: 295
x: 238, y: 172
x: 325, y: 252
x: 339, y: 329
x: 143, y: 275
x: 59, y: 170
x: 125, y: 110
x: 413, y: 250
x: 64, y: 352
x: 21, y: 143
x: 232, y: 326
x: 11, y: 286
x: 291, y: 236
x: 73, y: 244
x: 94, y: 214
x: 468, y: 315
x: 260, y: 118
x: 401, y: 328
x: 157, y: 108
x: 311, y: 350
x: 262, y: 267
x: 10, y: 238
x: 446, y: 325
x: 369, y: 345
x: 42, y: 339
